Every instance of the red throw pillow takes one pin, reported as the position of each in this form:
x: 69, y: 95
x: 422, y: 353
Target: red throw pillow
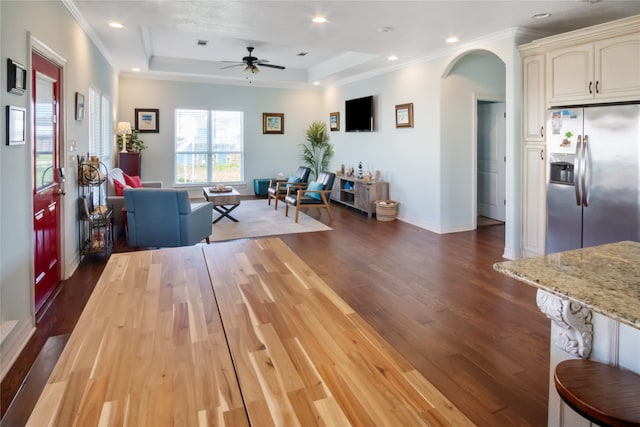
x: 119, y: 187
x: 132, y: 181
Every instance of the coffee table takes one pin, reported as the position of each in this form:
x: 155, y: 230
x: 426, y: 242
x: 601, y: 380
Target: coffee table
x: 223, y: 201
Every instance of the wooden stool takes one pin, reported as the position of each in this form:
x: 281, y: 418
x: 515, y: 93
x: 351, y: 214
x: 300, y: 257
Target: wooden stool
x: 603, y: 394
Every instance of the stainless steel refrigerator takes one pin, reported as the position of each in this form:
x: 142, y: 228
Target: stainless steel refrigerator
x: 593, y: 177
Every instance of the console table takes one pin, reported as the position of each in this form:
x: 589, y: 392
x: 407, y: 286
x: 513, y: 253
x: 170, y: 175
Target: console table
x: 592, y: 297
x: 358, y: 193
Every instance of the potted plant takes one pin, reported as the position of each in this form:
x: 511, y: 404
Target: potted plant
x: 317, y: 153
x: 133, y: 143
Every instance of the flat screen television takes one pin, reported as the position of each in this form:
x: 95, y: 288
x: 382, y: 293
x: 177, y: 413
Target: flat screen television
x: 359, y: 114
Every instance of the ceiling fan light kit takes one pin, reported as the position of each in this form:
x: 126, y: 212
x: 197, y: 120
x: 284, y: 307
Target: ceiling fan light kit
x: 251, y: 64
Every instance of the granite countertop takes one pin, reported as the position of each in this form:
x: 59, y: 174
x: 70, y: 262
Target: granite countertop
x: 605, y: 278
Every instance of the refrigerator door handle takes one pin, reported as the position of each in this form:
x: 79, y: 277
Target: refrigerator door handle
x: 577, y: 174
x: 586, y: 172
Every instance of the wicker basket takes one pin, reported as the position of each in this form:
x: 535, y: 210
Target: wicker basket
x: 386, y: 210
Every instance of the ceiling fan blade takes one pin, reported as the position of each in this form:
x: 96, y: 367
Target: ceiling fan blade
x: 261, y: 61
x: 279, y: 67
x: 239, y: 64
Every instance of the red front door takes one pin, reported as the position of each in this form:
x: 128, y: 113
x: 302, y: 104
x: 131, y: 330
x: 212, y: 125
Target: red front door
x: 46, y: 86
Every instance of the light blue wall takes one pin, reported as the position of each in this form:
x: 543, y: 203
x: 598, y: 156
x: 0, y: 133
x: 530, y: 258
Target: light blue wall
x: 265, y: 155
x: 471, y: 75
x: 51, y: 24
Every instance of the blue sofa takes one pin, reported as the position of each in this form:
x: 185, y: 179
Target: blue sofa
x: 165, y: 218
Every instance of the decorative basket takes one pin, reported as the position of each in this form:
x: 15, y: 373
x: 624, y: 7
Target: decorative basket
x: 386, y: 210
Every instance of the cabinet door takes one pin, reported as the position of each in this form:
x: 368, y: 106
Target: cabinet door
x: 534, y: 95
x: 534, y: 200
x: 570, y: 74
x: 617, y: 68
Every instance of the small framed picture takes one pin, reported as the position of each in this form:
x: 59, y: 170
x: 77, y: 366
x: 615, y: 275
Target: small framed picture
x: 404, y: 115
x: 272, y: 123
x: 147, y: 120
x: 79, y: 106
x: 16, y: 131
x: 334, y: 121
x: 16, y: 77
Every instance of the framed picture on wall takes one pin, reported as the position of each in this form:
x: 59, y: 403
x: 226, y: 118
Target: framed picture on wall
x: 334, y: 121
x: 272, y: 123
x: 79, y: 106
x: 404, y: 115
x: 147, y: 120
x: 16, y: 130
x: 16, y: 77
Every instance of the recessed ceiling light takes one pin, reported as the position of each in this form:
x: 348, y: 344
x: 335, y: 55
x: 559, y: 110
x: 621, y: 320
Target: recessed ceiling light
x: 319, y: 19
x: 543, y: 15
x: 392, y: 58
x: 135, y: 69
x: 115, y: 24
x: 385, y: 29
x: 452, y: 40
x: 316, y: 83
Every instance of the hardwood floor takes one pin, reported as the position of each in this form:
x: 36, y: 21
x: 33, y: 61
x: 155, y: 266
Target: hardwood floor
x: 475, y: 334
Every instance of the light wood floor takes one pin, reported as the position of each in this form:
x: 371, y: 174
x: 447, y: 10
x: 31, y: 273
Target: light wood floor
x: 473, y: 333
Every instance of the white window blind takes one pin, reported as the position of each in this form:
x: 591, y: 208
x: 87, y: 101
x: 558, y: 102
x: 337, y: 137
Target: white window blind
x: 100, y: 126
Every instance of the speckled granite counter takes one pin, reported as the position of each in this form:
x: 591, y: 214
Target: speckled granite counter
x: 603, y: 278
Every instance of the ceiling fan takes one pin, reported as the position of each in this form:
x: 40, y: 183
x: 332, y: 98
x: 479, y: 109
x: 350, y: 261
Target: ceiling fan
x: 251, y: 62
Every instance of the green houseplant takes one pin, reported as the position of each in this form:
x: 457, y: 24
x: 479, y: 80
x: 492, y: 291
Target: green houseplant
x: 134, y: 144
x: 317, y: 153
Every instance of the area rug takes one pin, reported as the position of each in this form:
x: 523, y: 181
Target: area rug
x: 256, y: 219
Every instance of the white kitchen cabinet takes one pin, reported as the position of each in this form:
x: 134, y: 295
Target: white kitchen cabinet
x: 617, y: 68
x: 570, y: 72
x: 534, y: 111
x: 534, y: 200
x: 602, y: 71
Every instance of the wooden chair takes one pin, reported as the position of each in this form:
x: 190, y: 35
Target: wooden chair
x: 278, y: 189
x: 317, y: 194
x: 603, y: 394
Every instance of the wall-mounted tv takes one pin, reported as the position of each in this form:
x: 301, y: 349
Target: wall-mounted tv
x: 359, y: 114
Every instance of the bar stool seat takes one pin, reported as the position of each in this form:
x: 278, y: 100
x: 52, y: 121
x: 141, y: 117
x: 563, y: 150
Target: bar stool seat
x: 604, y: 394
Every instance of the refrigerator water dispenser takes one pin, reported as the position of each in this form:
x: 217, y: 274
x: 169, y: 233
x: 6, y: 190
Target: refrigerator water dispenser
x: 561, y: 168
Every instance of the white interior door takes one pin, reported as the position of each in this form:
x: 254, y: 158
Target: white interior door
x: 491, y: 160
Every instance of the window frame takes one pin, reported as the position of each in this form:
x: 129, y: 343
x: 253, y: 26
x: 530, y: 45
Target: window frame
x: 211, y: 147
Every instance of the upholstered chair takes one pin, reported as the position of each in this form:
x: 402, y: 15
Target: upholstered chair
x: 117, y: 202
x: 165, y: 218
x: 317, y: 194
x: 278, y: 189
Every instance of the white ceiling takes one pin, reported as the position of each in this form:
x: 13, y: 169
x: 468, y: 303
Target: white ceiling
x: 160, y: 36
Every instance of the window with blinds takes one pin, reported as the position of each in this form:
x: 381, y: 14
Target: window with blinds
x: 209, y: 147
x: 100, y: 126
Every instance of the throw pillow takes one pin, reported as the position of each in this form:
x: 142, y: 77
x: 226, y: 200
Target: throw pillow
x: 315, y: 186
x: 132, y: 181
x: 293, y: 180
x: 119, y: 187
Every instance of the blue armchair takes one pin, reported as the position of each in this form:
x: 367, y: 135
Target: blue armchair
x: 165, y: 218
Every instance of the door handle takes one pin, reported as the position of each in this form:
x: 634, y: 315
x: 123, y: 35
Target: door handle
x: 542, y: 154
x: 578, y: 171
x: 590, y: 91
x: 586, y: 172
x: 542, y: 131
x: 597, y: 84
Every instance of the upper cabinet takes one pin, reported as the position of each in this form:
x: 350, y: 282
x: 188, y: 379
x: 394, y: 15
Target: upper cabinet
x: 602, y: 71
x: 617, y: 67
x: 534, y: 111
